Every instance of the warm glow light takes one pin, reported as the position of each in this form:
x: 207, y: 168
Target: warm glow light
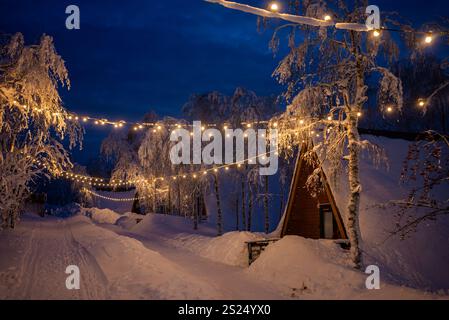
x: 428, y: 39
x: 327, y: 18
x: 225, y: 127
x: 274, y: 6
x: 249, y: 125
x: 329, y: 118
x: 389, y: 109
x: 275, y: 124
x: 301, y: 121
x: 85, y: 119
x: 376, y: 33
x: 359, y: 114
x: 421, y: 103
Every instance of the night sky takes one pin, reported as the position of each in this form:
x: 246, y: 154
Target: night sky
x: 130, y: 57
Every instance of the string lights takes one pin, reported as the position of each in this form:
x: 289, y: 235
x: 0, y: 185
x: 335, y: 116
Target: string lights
x: 118, y: 199
x: 100, y: 182
x: 273, y: 11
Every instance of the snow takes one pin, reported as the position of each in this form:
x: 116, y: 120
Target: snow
x: 112, y: 266
x: 319, y: 269
x: 288, y: 17
x: 229, y: 248
x: 421, y: 261
x: 102, y: 215
x: 269, y: 14
x: 161, y: 257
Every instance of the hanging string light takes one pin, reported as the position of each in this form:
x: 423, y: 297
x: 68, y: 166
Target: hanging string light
x: 274, y: 6
x: 120, y: 199
x: 115, y: 183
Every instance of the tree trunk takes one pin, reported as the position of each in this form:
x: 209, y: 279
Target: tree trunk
x: 219, y: 214
x: 243, y: 204
x: 265, y: 206
x: 354, y: 188
x: 154, y: 197
x: 250, y: 207
x: 179, y: 199
x: 169, y: 211
x: 196, y: 205
x: 237, y: 223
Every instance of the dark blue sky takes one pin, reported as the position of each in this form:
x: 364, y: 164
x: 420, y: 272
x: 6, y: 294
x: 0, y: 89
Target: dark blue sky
x: 133, y: 56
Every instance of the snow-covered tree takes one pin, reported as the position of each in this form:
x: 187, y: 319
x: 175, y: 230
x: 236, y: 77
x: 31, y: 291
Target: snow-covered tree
x: 426, y: 170
x: 33, y: 120
x: 327, y: 73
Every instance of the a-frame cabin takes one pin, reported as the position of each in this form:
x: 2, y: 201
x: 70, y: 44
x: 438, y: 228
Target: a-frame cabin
x: 307, y: 216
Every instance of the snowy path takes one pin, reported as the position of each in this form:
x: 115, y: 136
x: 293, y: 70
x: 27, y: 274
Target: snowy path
x: 232, y: 282
x: 43, y: 254
x: 33, y: 259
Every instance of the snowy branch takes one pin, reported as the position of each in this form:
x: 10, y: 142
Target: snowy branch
x: 289, y: 17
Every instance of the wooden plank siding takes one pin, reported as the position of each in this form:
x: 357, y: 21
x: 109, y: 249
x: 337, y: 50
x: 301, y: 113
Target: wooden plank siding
x: 302, y: 216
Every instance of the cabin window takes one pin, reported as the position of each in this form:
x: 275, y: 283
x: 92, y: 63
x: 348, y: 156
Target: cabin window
x: 326, y: 222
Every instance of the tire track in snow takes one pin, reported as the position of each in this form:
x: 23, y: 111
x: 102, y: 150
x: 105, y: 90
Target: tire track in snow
x: 92, y: 276
x: 49, y: 247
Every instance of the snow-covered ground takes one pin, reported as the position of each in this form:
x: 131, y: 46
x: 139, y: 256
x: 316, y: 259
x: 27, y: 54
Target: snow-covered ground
x: 161, y: 258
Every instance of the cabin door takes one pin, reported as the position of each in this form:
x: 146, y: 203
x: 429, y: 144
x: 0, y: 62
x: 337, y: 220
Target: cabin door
x: 326, y: 222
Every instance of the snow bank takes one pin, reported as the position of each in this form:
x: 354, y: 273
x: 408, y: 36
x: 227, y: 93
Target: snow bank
x: 101, y: 215
x: 129, y: 220
x: 64, y: 211
x: 319, y: 269
x: 166, y: 226
x: 229, y: 248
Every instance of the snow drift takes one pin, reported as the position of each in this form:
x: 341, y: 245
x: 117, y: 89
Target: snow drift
x: 320, y: 269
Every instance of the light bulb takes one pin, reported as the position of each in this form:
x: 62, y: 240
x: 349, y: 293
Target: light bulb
x: 274, y: 7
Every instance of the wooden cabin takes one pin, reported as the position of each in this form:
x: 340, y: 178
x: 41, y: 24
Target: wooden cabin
x: 308, y: 216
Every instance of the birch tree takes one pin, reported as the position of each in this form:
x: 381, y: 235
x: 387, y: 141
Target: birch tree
x: 326, y: 74
x: 33, y: 121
